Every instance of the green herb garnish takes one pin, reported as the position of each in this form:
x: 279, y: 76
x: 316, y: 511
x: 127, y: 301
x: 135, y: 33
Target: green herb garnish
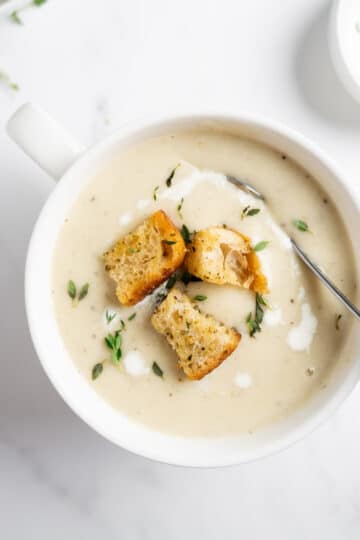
x: 261, y: 300
x: 171, y: 282
x: 96, y: 371
x: 156, y: 189
x: 301, y: 225
x: 157, y: 369
x: 132, y: 317
x: 15, y: 17
x: 337, y: 321
x: 71, y: 289
x: 83, y: 291
x: 200, y: 297
x: 169, y: 242
x: 179, y: 207
x: 248, y: 211
x: 168, y: 181
x: 110, y: 316
x: 260, y: 245
x: 122, y: 324
x: 114, y: 341
x: 185, y: 233
x: 259, y: 312
x: 252, y: 325
x: 5, y: 78
x: 254, y: 322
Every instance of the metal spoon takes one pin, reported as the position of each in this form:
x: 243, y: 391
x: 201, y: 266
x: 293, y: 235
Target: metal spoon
x: 309, y: 263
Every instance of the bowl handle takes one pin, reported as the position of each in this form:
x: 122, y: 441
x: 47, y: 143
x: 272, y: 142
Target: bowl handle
x: 43, y: 139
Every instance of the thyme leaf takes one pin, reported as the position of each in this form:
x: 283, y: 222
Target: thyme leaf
x: 157, y: 369
x: 71, y: 289
x: 84, y: 291
x: 169, y: 242
x: 337, y: 321
x: 179, y: 207
x: 301, y: 225
x: 200, y: 297
x: 156, y: 189
x: 260, y: 245
x: 5, y: 78
x: 185, y: 233
x: 168, y: 181
x: 97, y: 370
x: 248, y: 211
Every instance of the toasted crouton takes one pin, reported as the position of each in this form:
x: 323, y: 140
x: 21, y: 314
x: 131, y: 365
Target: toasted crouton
x: 201, y: 342
x: 144, y: 258
x: 221, y: 255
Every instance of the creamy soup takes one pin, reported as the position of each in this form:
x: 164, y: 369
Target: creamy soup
x: 303, y: 338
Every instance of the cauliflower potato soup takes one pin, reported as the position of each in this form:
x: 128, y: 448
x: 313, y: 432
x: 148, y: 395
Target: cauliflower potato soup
x: 178, y: 295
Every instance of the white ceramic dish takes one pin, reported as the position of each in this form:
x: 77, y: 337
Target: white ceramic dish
x: 344, y: 43
x: 63, y: 158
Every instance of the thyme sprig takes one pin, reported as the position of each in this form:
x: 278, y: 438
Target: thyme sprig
x: 72, y: 291
x: 15, y: 15
x: 254, y: 321
x: 114, y: 342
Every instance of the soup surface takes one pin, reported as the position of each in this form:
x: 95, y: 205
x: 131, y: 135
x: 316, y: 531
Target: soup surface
x: 302, y: 339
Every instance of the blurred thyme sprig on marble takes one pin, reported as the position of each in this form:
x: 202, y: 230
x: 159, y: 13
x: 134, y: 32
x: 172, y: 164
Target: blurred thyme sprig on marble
x: 15, y: 15
x: 5, y: 78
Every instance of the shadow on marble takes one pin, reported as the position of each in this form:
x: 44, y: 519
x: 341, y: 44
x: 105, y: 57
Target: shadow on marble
x: 317, y: 79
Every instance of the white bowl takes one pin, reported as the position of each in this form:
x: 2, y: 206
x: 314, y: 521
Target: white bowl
x: 344, y: 43
x: 48, y: 144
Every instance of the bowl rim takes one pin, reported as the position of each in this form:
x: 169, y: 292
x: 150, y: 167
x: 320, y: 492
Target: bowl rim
x: 135, y: 128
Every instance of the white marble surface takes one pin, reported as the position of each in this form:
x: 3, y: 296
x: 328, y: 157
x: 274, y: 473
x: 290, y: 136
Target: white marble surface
x: 94, y: 65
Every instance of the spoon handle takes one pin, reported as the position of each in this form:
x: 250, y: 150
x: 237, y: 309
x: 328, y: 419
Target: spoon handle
x: 326, y: 281
x: 313, y: 267
x: 245, y: 186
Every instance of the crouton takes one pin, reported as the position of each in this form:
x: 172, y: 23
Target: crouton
x: 201, y: 342
x: 140, y: 261
x: 221, y: 255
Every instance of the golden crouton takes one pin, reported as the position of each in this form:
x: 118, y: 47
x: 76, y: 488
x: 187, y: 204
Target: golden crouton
x: 200, y: 341
x: 140, y: 261
x: 221, y: 255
